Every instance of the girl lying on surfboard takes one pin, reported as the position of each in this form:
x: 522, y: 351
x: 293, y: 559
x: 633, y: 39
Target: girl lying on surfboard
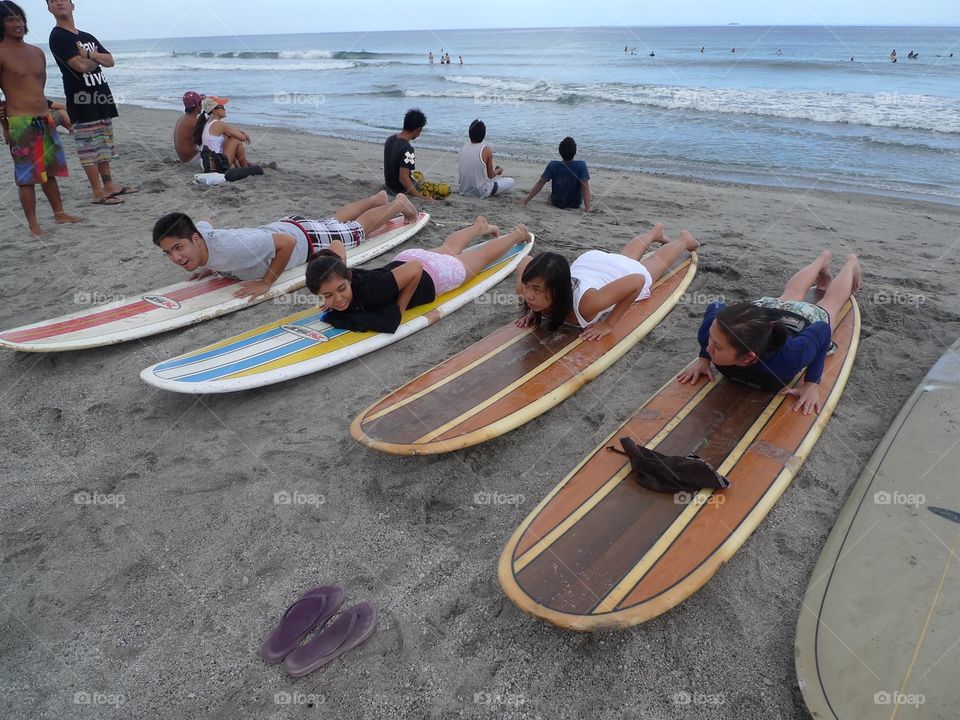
x: 598, y: 288
x: 374, y: 300
x: 765, y: 343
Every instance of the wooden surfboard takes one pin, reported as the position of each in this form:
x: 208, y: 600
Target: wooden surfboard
x: 303, y: 343
x: 879, y: 630
x: 507, y: 379
x: 179, y: 305
x: 600, y: 551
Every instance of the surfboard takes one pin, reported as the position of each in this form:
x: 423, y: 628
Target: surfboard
x: 507, y: 379
x: 303, y: 343
x: 878, y: 633
x: 600, y: 551
x: 179, y: 305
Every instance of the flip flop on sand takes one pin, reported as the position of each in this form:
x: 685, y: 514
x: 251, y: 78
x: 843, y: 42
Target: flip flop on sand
x: 353, y: 626
x: 124, y: 190
x: 107, y: 200
x: 314, y: 608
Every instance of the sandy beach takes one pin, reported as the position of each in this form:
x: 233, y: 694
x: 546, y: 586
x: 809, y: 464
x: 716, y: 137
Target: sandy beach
x: 151, y: 601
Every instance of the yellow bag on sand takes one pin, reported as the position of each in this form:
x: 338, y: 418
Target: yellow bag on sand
x: 438, y: 191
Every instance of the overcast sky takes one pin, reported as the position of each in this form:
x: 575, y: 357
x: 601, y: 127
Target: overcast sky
x: 123, y: 19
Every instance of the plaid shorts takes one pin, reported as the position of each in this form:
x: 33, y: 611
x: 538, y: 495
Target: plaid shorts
x: 321, y: 233
x: 94, y: 142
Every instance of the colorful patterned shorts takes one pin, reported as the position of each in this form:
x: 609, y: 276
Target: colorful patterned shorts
x: 321, y: 233
x: 813, y: 313
x: 94, y: 142
x: 446, y: 271
x: 36, y: 149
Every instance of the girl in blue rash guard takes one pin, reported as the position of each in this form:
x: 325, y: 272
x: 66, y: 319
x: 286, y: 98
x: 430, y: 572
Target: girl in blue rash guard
x: 765, y: 343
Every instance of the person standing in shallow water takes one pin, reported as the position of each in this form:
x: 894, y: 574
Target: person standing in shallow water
x: 28, y: 125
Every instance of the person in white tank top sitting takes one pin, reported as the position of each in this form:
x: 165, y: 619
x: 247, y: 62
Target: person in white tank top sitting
x: 218, y: 135
x: 599, y: 287
x: 478, y: 175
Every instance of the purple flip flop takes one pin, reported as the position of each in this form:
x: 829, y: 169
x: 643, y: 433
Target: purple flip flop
x: 315, y: 607
x: 353, y: 626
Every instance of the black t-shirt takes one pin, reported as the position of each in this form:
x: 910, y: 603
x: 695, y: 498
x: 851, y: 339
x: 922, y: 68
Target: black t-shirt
x: 374, y: 306
x: 88, y: 96
x: 397, y: 153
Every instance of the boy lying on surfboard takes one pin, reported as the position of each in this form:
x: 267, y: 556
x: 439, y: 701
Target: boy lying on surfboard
x: 598, y: 287
x: 260, y: 255
x: 766, y: 342
x: 374, y: 300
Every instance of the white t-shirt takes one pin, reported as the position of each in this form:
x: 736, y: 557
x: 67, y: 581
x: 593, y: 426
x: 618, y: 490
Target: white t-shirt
x: 246, y: 253
x: 595, y: 269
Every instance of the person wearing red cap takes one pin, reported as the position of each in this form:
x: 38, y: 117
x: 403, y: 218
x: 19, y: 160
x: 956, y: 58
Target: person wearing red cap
x: 183, y: 131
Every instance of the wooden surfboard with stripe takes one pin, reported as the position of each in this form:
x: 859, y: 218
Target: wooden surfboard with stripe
x: 304, y: 343
x: 180, y: 305
x: 507, y: 379
x: 600, y: 551
x: 877, y: 636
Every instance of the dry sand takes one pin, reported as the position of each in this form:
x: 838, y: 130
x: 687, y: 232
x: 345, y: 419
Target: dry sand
x: 162, y: 602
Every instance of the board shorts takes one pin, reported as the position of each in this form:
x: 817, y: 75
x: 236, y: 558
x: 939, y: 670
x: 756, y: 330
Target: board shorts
x: 812, y: 313
x: 36, y: 149
x: 321, y: 233
x: 94, y: 142
x: 446, y: 271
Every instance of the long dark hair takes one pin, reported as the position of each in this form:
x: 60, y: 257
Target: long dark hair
x: 321, y: 266
x: 554, y: 270
x: 749, y: 328
x: 202, y: 119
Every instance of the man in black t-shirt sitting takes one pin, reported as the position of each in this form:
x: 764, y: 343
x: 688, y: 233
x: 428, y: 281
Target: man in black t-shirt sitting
x: 399, y: 157
x: 81, y: 59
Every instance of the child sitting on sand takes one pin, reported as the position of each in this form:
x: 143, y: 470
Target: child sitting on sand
x: 598, y: 288
x: 260, y: 255
x: 765, y: 343
x: 375, y: 300
x: 569, y: 178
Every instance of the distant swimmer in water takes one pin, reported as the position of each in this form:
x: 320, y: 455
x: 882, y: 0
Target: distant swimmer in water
x: 893, y: 55
x: 652, y: 54
x: 701, y: 49
x: 779, y: 52
x: 461, y: 59
x: 430, y: 57
x: 733, y: 50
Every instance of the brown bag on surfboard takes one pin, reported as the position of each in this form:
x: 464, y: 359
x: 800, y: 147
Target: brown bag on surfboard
x: 669, y: 473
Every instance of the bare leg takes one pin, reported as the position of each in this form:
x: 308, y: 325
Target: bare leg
x: 641, y: 243
x: 99, y: 193
x: 666, y: 255
x: 816, y: 273
x: 354, y: 210
x: 457, y: 241
x: 242, y: 155
x: 28, y: 201
x: 841, y: 288
x: 109, y: 186
x: 52, y: 190
x: 373, y: 219
x: 476, y: 259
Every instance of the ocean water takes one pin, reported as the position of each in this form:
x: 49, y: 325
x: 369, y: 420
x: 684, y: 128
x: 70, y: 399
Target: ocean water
x: 793, y: 106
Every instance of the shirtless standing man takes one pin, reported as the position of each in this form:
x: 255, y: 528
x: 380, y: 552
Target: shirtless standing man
x: 28, y: 126
x: 183, y: 131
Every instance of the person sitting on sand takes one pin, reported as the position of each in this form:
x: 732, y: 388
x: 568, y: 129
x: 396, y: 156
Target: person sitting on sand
x: 765, y: 343
x: 478, y: 175
x: 184, y: 140
x: 221, y: 143
x: 375, y: 300
x: 598, y: 287
x: 569, y: 178
x: 259, y: 255
x: 28, y: 126
x: 400, y: 158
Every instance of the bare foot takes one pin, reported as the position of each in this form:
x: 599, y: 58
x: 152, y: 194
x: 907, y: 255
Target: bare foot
x: 524, y: 230
x: 272, y: 165
x: 851, y: 258
x: 37, y: 231
x: 658, y: 235
x: 688, y: 240
x: 824, y: 278
x: 381, y: 197
x: 406, y: 207
x: 62, y: 217
x: 483, y: 227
